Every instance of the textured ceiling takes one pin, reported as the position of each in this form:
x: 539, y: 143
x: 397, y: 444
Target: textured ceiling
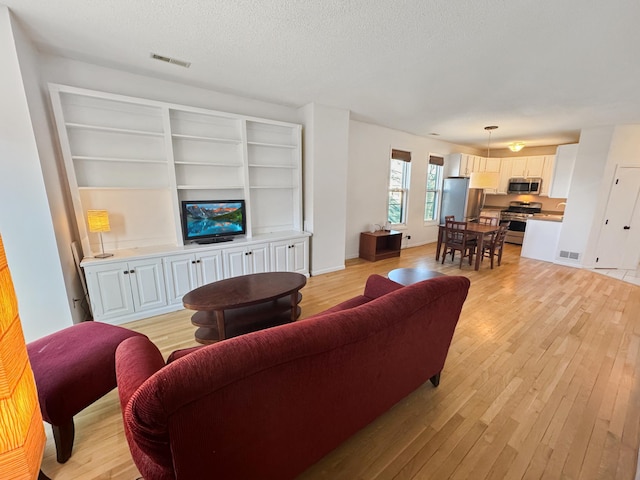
x: 540, y: 69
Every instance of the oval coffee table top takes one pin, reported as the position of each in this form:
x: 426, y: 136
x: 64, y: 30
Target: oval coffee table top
x: 243, y: 291
x: 409, y: 276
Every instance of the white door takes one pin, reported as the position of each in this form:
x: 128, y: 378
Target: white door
x: 619, y: 242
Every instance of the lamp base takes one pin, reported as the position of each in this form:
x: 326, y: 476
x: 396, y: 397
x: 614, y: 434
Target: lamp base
x: 103, y: 255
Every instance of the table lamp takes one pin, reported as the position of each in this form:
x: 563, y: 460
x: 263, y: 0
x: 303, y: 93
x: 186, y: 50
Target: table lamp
x: 99, y: 222
x: 22, y: 436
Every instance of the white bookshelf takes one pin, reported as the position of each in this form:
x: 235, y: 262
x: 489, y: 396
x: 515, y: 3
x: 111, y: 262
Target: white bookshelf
x: 139, y: 158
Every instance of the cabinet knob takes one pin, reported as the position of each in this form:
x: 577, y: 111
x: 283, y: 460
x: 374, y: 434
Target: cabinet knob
x: 198, y: 261
x: 627, y: 227
x: 132, y: 271
x: 193, y: 262
x: 126, y: 272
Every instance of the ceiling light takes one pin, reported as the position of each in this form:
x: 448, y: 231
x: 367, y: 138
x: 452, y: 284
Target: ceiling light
x: 516, y: 146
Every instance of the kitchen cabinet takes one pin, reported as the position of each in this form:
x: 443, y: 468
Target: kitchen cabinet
x: 563, y: 170
x: 246, y: 260
x: 121, y: 289
x: 492, y: 165
x: 185, y: 272
x: 541, y: 239
x: 547, y: 175
x: 525, y: 167
x: 290, y: 255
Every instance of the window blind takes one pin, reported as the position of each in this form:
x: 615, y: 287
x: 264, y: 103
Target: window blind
x: 400, y: 155
x: 436, y: 160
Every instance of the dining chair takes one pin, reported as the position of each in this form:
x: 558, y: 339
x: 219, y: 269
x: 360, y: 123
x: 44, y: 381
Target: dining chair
x: 456, y: 238
x: 449, y: 218
x: 495, y: 246
x: 489, y: 221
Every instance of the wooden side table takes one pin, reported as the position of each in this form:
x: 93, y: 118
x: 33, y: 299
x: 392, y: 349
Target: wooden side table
x: 379, y: 245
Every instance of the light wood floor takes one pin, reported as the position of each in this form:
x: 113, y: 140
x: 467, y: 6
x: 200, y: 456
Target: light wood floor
x: 542, y: 381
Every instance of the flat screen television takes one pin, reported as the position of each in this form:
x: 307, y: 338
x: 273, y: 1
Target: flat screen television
x: 211, y: 221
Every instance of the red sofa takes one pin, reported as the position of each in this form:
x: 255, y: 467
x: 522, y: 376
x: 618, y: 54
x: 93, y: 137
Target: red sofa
x: 269, y: 404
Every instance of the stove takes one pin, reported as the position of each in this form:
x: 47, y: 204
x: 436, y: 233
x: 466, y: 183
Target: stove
x: 517, y: 214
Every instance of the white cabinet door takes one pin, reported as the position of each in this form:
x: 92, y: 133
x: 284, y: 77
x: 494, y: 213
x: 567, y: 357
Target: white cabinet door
x: 505, y: 175
x: 563, y: 170
x: 179, y: 276
x: 280, y: 252
x: 518, y: 166
x: 290, y: 256
x: 259, y: 258
x: 492, y: 165
x: 209, y: 267
x: 299, y: 256
x: 109, y: 290
x: 234, y: 262
x: 535, y: 166
x: 466, y: 165
x: 547, y: 174
x: 147, y: 284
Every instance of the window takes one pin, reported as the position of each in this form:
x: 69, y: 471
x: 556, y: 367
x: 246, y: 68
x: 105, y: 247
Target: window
x: 434, y: 180
x: 398, y: 186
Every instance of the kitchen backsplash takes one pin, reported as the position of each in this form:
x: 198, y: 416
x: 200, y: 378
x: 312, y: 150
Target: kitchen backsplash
x: 548, y: 204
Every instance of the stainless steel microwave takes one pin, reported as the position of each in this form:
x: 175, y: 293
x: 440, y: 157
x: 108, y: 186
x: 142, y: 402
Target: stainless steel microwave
x: 530, y: 186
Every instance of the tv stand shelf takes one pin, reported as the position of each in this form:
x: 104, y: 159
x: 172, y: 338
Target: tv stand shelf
x: 379, y: 245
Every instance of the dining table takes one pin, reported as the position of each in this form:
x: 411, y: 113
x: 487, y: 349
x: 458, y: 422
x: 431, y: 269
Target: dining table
x: 475, y: 230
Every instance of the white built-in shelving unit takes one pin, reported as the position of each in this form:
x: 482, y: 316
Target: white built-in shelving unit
x: 139, y: 159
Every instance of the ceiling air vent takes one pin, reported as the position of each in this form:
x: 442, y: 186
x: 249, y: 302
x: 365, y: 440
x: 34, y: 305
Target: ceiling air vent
x: 175, y: 61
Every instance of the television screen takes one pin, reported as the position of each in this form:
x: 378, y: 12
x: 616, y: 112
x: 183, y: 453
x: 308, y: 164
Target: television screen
x: 211, y: 221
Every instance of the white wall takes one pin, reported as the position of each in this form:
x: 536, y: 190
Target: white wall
x: 326, y: 155
x: 25, y: 218
x: 601, y: 150
x: 584, y: 192
x: 369, y: 152
x: 623, y: 150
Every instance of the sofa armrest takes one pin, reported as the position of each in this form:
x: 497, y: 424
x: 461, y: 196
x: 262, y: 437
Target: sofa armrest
x: 377, y: 286
x: 182, y: 353
x: 137, y: 358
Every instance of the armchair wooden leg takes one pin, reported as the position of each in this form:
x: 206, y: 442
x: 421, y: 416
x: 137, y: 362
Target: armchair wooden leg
x: 42, y: 476
x: 63, y: 436
x: 435, y: 380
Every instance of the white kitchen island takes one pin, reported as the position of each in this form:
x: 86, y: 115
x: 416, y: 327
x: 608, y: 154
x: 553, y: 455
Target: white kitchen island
x: 541, y: 238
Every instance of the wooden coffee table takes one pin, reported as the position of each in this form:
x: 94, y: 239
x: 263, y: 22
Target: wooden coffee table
x: 244, y: 304
x: 409, y: 276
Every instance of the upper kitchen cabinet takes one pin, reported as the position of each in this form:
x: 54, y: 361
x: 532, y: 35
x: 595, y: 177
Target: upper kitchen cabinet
x: 563, y: 170
x: 527, y: 166
x: 463, y: 164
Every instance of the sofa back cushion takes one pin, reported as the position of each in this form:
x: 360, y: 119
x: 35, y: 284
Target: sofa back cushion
x: 271, y: 403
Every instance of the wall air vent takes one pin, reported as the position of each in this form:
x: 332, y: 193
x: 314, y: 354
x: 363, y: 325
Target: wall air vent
x: 569, y: 255
x: 175, y: 61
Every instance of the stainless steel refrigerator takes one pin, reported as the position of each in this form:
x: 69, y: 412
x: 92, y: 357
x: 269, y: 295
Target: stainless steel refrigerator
x: 459, y: 200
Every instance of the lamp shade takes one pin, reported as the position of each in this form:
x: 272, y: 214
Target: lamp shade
x: 98, y: 220
x: 22, y: 436
x: 484, y: 180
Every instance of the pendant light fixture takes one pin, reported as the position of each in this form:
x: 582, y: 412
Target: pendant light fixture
x: 489, y: 129
x: 516, y: 146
